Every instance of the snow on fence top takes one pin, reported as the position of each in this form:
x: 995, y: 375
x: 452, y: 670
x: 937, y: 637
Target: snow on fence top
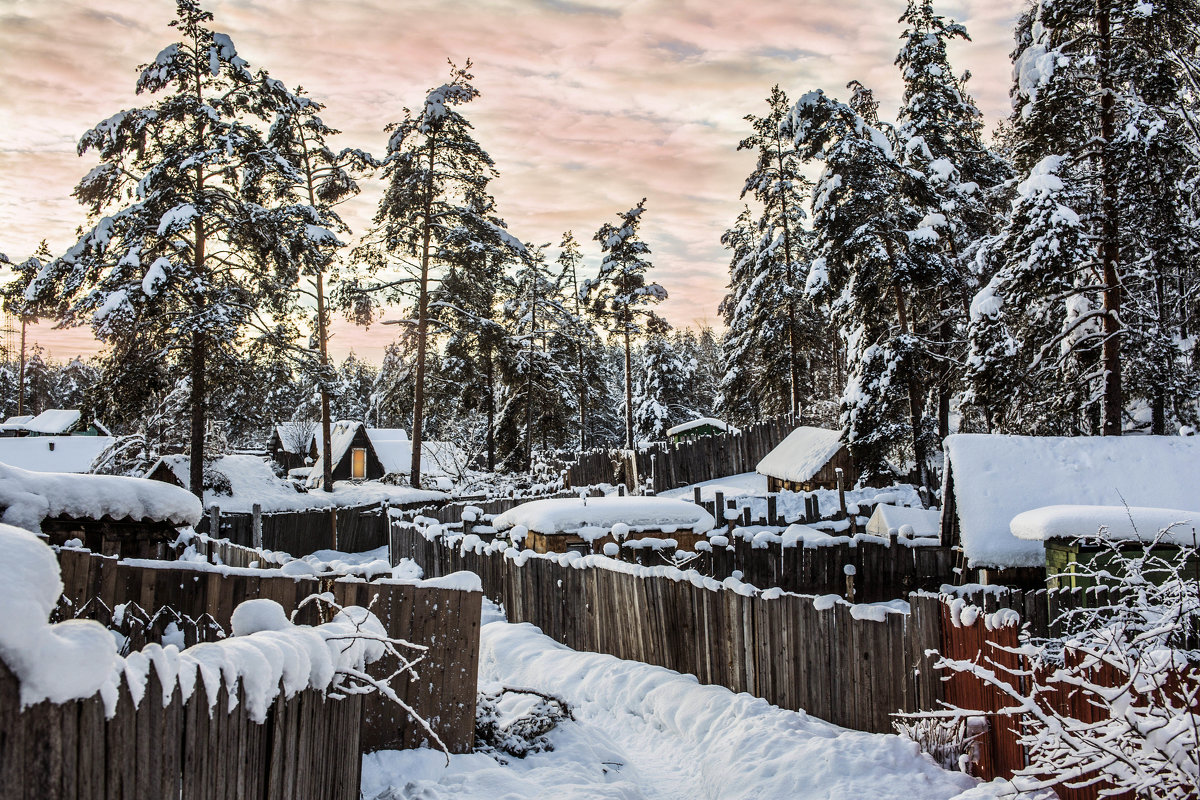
x: 54, y: 420
x: 920, y: 522
x: 75, y: 659
x: 52, y: 453
x: 995, y: 478
x: 1122, y: 523
x: 801, y: 455
x: 699, y: 423
x: 569, y: 515
x: 27, y: 498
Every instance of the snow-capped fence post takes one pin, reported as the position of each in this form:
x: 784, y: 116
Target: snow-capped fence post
x: 773, y: 510
x: 841, y: 487
x: 256, y: 525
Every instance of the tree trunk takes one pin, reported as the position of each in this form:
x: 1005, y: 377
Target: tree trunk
x: 1113, y: 404
x: 793, y: 368
x: 422, y: 325
x: 529, y: 374
x: 915, y: 410
x: 196, y: 461
x: 628, y: 392
x: 21, y: 372
x: 326, y: 435
x: 491, y: 413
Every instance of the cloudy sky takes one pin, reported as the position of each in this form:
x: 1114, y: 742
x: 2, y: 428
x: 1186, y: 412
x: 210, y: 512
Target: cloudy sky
x: 587, y: 106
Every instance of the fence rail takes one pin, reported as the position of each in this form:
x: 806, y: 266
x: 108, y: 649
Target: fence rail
x: 444, y: 620
x: 670, y: 465
x: 308, y: 747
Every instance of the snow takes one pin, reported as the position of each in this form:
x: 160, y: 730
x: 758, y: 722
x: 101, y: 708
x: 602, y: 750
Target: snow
x: 254, y: 481
x: 290, y: 435
x: 801, y: 455
x: 54, y: 420
x: 997, y: 477
x: 1134, y: 523
x: 29, y: 497
x: 52, y: 453
x: 889, y: 519
x: 747, y: 483
x: 569, y: 515
x: 696, y: 423
x: 641, y: 732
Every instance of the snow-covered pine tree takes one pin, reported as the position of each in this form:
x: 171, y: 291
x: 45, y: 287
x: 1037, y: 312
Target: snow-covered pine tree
x: 872, y: 265
x: 620, y: 295
x: 436, y: 172
x: 182, y: 251
x: 74, y: 385
x: 739, y: 399
x: 661, y: 394
x: 577, y: 328
x: 392, y: 392
x: 940, y: 133
x: 321, y: 178
x: 1097, y: 82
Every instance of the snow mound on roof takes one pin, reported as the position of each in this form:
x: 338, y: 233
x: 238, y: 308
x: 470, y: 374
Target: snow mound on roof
x: 998, y: 477
x: 887, y: 518
x: 568, y: 515
x: 697, y: 423
x: 30, y: 497
x: 53, y: 453
x: 1125, y: 523
x: 54, y: 420
x: 801, y: 455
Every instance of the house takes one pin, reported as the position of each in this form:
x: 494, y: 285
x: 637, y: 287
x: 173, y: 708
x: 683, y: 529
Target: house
x: 990, y: 479
x: 108, y: 514
x: 52, y: 453
x: 808, y: 459
x: 586, y: 525
x: 705, y: 426
x: 53, y: 422
x: 294, y: 444
x: 351, y: 455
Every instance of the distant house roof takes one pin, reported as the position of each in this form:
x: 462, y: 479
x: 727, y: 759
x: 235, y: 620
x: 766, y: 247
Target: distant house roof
x: 700, y: 423
x: 801, y: 455
x: 18, y: 421
x: 52, y: 453
x: 341, y: 436
x: 54, y: 420
x: 994, y: 478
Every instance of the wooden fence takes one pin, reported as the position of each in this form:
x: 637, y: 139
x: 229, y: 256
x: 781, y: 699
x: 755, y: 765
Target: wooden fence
x: 795, y: 651
x: 308, y: 747
x: 300, y: 533
x: 446, y: 621
x: 668, y: 465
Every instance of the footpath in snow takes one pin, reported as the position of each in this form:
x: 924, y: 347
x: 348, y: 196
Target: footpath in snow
x: 646, y: 733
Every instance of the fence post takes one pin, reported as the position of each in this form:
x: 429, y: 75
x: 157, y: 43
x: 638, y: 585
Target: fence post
x: 696, y: 494
x: 772, y: 510
x: 841, y: 483
x: 333, y: 526
x: 621, y: 490
x: 256, y: 520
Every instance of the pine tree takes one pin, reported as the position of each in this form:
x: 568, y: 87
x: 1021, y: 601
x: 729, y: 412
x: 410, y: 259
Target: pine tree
x: 661, y: 398
x: 182, y: 252
x: 620, y: 294
x: 577, y: 327
x: 436, y: 173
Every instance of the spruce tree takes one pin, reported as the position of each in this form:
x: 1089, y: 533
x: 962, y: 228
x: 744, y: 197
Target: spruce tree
x: 183, y: 252
x: 620, y: 294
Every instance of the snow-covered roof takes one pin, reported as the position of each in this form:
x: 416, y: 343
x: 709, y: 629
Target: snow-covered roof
x: 52, y: 453
x: 801, y: 455
x: 394, y: 449
x: 290, y: 433
x: 886, y: 518
x: 998, y: 477
x: 699, y: 423
x: 1122, y: 523
x: 29, y: 497
x: 17, y: 422
x: 54, y: 420
x: 341, y: 435
x: 569, y: 515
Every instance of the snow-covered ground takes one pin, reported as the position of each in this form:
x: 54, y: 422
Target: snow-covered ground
x: 748, y: 483
x: 646, y: 733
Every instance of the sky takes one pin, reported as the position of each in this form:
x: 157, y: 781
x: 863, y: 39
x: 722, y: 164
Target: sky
x: 587, y: 106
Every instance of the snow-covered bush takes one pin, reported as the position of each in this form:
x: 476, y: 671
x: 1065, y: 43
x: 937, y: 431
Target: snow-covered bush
x: 1114, y: 699
x: 946, y: 740
x: 516, y: 722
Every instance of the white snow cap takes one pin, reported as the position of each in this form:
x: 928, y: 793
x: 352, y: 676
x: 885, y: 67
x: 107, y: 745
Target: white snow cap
x: 698, y: 423
x: 27, y: 498
x: 919, y: 521
x: 995, y: 478
x: 54, y: 420
x: 801, y: 455
x: 636, y: 513
x: 53, y: 453
x: 1123, y: 523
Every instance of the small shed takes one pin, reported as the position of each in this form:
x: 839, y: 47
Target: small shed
x: 920, y: 523
x: 704, y: 426
x: 109, y: 514
x: 806, y: 460
x: 1075, y: 552
x: 294, y: 444
x: 989, y: 479
x: 561, y: 525
x: 351, y: 453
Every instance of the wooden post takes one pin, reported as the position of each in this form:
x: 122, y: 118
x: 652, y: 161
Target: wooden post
x: 841, y: 483
x: 746, y: 517
x: 719, y: 507
x: 621, y: 490
x: 849, y: 570
x: 772, y: 510
x: 696, y: 494
x: 387, y: 532
x: 256, y: 519
x: 333, y: 527
x: 816, y: 508
x: 214, y: 522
